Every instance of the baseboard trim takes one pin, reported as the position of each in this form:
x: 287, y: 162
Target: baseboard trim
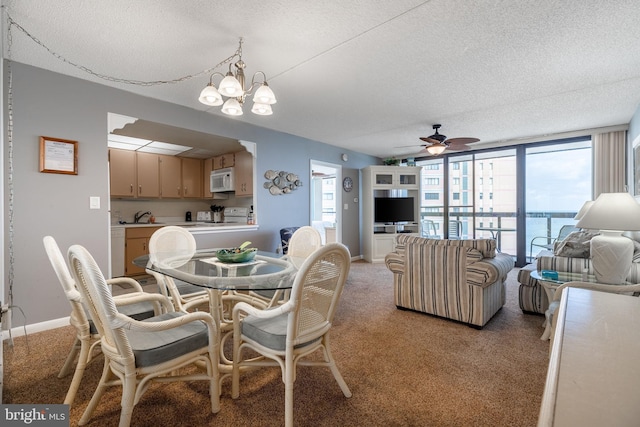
x: 36, y: 327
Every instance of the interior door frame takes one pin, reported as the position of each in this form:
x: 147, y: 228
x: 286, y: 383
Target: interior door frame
x: 338, y: 192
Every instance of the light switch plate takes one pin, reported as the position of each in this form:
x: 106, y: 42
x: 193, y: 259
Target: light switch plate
x: 94, y: 202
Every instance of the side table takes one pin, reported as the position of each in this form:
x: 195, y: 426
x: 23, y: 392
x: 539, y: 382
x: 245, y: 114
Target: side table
x: 550, y: 285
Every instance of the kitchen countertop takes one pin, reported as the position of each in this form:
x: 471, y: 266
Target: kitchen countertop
x: 195, y: 227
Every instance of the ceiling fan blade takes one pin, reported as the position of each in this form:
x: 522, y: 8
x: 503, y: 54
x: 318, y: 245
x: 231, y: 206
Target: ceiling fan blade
x: 463, y: 141
x: 409, y: 146
x: 429, y: 140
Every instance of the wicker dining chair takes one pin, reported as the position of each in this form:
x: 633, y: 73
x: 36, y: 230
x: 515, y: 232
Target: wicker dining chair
x: 171, y: 240
x: 303, y: 242
x: 134, y: 304
x: 284, y: 335
x: 139, y: 352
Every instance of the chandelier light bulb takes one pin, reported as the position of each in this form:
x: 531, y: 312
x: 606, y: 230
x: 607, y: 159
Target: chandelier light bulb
x: 230, y: 87
x: 264, y: 95
x: 262, y: 109
x: 232, y: 107
x: 210, y: 96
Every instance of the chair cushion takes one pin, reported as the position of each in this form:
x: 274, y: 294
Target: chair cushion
x: 271, y: 333
x: 152, y: 348
x: 575, y: 245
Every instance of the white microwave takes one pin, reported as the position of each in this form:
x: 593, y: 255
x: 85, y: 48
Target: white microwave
x: 221, y: 180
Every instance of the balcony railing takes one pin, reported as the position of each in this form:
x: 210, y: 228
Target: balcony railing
x: 503, y: 224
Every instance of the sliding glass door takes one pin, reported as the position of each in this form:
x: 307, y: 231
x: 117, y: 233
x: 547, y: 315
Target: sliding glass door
x: 496, y: 198
x: 511, y: 194
x: 558, y: 182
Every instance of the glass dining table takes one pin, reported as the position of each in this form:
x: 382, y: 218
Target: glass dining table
x: 226, y: 283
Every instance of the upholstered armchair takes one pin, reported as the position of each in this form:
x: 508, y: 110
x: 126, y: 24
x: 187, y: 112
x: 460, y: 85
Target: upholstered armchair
x: 463, y: 280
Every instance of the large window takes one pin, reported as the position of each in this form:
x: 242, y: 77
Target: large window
x: 558, y: 182
x: 487, y: 193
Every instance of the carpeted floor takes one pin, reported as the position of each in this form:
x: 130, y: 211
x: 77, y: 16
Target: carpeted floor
x: 403, y: 368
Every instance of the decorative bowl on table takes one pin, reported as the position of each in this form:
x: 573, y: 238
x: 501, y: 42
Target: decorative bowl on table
x: 236, y: 256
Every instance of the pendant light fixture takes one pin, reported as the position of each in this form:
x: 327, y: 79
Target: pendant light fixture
x: 436, y: 149
x: 232, y: 87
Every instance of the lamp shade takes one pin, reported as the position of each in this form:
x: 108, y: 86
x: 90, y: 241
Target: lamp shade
x: 436, y: 149
x: 210, y: 96
x: 583, y: 210
x: 612, y: 211
x: 262, y: 109
x: 232, y: 107
x: 230, y: 87
x: 264, y: 95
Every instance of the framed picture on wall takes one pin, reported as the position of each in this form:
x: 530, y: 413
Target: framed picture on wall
x: 58, y: 155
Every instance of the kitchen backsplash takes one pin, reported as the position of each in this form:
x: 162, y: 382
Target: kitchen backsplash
x: 126, y: 209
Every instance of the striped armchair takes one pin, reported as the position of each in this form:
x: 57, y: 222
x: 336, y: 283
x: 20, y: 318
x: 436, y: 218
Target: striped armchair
x: 532, y: 297
x: 463, y: 280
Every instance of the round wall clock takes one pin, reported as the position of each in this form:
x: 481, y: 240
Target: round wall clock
x: 347, y: 184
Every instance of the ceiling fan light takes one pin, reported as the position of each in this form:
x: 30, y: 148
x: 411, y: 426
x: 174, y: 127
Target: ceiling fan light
x: 261, y: 109
x: 264, y: 95
x: 436, y: 149
x: 232, y: 107
x: 210, y: 96
x: 230, y: 87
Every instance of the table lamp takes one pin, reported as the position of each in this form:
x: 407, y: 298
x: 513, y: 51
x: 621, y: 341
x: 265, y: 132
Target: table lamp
x: 611, y: 253
x: 583, y: 210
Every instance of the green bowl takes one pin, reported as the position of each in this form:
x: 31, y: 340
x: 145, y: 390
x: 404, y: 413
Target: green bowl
x: 229, y: 255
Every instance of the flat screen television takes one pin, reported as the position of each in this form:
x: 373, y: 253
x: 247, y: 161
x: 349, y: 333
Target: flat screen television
x: 393, y: 210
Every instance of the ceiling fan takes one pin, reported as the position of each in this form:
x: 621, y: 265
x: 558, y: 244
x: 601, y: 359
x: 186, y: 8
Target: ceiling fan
x: 437, y: 143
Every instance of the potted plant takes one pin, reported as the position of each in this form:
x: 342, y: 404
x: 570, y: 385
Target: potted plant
x: 391, y: 161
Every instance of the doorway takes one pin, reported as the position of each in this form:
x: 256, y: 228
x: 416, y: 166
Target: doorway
x: 326, y: 200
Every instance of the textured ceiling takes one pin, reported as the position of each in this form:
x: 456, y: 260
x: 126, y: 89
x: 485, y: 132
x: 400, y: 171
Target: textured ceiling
x: 367, y: 75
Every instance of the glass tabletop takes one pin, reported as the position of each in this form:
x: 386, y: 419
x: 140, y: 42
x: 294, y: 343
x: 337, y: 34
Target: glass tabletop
x: 564, y: 277
x: 267, y: 271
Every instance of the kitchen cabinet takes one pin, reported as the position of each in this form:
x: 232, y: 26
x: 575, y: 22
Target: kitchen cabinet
x: 170, y: 177
x: 148, y: 174
x: 136, y: 244
x: 122, y: 173
x: 117, y: 251
x: 192, y: 178
x: 224, y: 161
x: 243, y: 174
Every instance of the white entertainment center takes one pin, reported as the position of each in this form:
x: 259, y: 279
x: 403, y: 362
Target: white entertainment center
x: 387, y: 182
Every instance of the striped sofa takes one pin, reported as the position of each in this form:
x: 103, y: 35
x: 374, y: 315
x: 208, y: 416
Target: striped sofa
x: 463, y: 280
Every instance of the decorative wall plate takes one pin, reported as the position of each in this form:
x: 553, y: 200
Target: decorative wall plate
x: 281, y: 182
x: 347, y: 184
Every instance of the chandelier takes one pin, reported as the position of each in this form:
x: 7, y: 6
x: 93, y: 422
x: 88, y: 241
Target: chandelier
x: 232, y: 87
